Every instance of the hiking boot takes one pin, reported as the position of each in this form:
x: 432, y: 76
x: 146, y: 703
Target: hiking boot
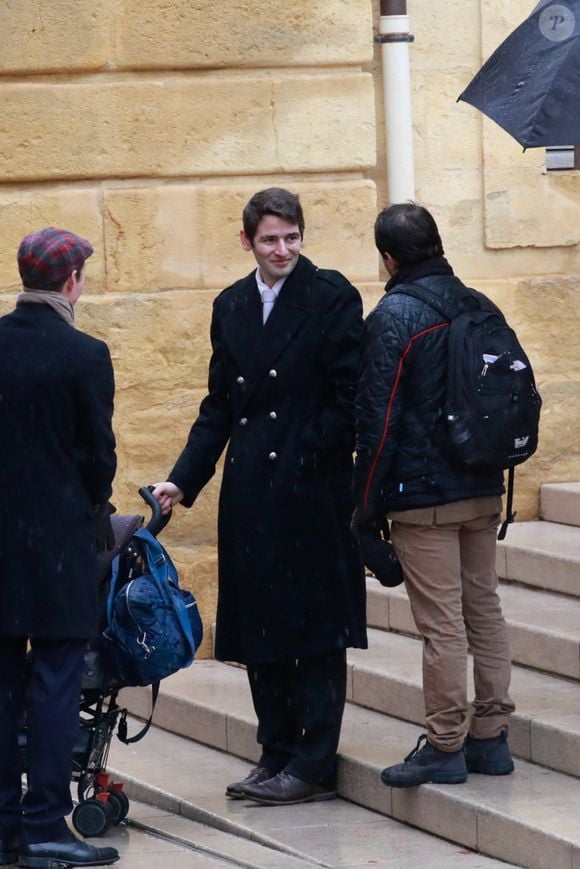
x: 489, y: 756
x: 426, y: 764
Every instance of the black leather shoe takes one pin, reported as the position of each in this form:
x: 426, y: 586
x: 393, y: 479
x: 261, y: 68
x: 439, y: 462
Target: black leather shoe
x: 287, y: 790
x: 256, y: 776
x: 8, y: 852
x: 68, y: 852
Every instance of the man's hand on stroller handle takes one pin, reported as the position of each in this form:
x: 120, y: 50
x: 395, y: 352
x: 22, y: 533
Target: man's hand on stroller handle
x: 168, y: 495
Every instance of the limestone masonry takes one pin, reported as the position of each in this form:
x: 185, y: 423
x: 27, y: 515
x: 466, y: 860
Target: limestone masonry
x: 145, y: 125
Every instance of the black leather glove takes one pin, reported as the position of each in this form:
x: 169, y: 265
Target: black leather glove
x: 366, y: 518
x: 105, y: 536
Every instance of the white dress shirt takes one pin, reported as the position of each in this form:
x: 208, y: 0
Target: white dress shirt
x: 268, y: 294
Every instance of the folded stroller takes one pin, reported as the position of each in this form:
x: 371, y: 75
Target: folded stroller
x: 102, y: 802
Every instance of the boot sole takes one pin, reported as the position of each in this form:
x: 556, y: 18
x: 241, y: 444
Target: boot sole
x: 450, y: 779
x: 504, y: 770
x: 316, y: 798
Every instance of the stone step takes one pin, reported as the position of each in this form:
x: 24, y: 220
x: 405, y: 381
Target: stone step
x: 542, y: 554
x: 544, y: 627
x: 156, y: 838
x: 529, y: 819
x: 184, y: 781
x: 560, y: 502
x: 545, y: 728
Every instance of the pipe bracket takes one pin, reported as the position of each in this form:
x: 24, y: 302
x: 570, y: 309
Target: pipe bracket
x: 394, y: 37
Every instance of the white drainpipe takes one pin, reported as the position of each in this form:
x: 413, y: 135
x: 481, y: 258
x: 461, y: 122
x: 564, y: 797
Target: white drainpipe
x: 394, y: 27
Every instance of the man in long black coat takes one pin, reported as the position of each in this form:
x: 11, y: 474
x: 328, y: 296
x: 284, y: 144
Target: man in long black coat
x: 282, y: 378
x: 57, y: 465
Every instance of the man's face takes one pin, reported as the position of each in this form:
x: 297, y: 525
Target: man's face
x: 276, y: 247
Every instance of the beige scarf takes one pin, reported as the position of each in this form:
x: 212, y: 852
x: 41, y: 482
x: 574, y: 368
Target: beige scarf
x: 56, y: 301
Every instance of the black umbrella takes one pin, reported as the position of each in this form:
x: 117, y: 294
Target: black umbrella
x: 530, y: 85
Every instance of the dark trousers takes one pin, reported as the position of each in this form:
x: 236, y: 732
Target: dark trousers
x: 299, y: 705
x: 47, y: 686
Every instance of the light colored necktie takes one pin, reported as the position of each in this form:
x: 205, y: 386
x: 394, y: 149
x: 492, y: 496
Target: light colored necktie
x: 268, y: 299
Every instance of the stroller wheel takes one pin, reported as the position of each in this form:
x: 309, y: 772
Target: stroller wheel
x: 93, y: 817
x: 119, y: 805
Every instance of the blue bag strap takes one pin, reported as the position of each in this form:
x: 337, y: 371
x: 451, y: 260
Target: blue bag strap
x: 163, y: 571
x: 158, y: 560
x: 112, y: 588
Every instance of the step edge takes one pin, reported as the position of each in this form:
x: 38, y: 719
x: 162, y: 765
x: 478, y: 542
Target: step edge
x: 190, y: 844
x: 137, y: 788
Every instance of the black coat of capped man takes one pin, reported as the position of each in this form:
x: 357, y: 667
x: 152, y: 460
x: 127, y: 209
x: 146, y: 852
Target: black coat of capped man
x: 56, y: 473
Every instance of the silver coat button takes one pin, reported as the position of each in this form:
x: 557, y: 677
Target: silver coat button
x: 240, y: 380
x: 273, y: 457
x: 272, y: 373
x: 273, y: 414
x: 244, y: 420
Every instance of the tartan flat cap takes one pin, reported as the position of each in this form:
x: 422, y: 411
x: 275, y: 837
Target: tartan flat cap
x: 46, y: 258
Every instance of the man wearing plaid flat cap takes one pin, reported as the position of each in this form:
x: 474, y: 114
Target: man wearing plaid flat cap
x: 56, y: 474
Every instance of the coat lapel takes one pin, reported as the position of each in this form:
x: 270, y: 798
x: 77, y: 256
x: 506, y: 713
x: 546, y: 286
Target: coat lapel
x: 242, y: 321
x: 287, y: 317
x: 260, y: 346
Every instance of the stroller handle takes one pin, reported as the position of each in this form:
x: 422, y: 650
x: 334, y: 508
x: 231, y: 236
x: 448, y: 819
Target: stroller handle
x: 158, y: 521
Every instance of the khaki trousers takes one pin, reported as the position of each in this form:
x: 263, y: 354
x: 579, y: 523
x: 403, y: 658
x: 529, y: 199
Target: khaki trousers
x: 450, y: 576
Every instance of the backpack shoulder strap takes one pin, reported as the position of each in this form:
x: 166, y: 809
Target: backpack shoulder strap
x: 510, y: 515
x: 424, y: 295
x: 465, y: 298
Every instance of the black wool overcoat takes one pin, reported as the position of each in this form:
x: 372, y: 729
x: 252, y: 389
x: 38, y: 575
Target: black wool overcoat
x: 57, y: 460
x: 291, y: 583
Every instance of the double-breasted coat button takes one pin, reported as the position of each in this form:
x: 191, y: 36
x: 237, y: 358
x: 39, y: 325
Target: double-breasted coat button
x: 240, y: 380
x: 244, y: 420
x: 272, y: 373
x: 273, y: 457
x: 273, y: 414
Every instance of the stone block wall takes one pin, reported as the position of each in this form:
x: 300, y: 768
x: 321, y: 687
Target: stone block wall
x: 146, y: 126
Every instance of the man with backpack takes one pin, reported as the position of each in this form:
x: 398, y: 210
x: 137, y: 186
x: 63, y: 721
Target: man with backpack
x: 421, y: 460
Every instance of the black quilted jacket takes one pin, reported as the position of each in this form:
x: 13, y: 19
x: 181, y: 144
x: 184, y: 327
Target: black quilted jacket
x: 400, y: 402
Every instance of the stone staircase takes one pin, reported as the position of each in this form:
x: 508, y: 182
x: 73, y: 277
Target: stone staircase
x: 530, y: 819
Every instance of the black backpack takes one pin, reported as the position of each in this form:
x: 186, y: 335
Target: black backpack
x: 492, y: 406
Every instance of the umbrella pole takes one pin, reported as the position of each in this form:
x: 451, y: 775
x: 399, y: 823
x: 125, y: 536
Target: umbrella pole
x: 395, y: 37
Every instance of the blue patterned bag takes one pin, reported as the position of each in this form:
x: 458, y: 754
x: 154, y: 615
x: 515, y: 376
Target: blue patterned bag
x: 153, y: 626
